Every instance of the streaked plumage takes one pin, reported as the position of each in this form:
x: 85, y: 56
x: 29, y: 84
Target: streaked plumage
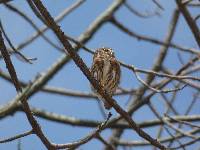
x: 106, y: 70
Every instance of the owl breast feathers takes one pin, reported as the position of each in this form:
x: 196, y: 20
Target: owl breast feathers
x: 106, y: 70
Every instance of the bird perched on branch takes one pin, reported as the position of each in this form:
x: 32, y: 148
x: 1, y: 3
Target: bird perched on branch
x: 106, y: 70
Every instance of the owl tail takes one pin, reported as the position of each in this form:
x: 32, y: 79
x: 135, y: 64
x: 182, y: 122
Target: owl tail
x: 106, y: 105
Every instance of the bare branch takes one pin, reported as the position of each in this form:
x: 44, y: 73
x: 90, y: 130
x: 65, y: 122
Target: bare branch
x: 26, y: 18
x: 142, y: 15
x: 36, y: 128
x: 42, y: 79
x: 144, y: 143
x: 151, y: 39
x: 154, y: 82
x: 191, y: 23
x: 45, y: 28
x: 79, y: 62
x: 4, y: 1
x: 84, y: 140
x: 13, y: 48
x: 183, y: 122
x: 17, y: 136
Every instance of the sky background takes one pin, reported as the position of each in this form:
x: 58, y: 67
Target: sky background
x: 129, y: 50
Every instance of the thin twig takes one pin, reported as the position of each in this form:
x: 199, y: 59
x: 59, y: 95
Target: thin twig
x: 104, y: 142
x: 58, y: 18
x: 84, y: 140
x: 144, y: 143
x: 119, y: 25
x: 137, y: 13
x: 35, y: 126
x: 157, y: 90
x: 183, y: 122
x: 158, y: 4
x: 191, y: 23
x: 26, y: 18
x: 17, y: 136
x: 29, y: 60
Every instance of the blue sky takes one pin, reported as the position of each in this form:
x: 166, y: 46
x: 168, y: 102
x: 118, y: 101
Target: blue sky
x: 127, y: 49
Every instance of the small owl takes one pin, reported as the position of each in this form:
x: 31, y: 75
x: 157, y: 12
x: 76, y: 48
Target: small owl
x: 106, y: 70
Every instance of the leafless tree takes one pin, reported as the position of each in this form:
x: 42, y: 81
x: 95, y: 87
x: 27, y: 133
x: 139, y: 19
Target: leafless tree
x: 175, y: 129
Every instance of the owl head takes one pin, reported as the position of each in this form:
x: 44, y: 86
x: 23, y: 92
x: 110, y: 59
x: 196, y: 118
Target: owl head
x: 104, y: 53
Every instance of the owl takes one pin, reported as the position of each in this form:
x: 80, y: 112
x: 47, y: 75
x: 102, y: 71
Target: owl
x: 106, y: 70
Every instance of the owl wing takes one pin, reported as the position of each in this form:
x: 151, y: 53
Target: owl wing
x: 97, y: 69
x: 114, y: 76
x: 97, y: 72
